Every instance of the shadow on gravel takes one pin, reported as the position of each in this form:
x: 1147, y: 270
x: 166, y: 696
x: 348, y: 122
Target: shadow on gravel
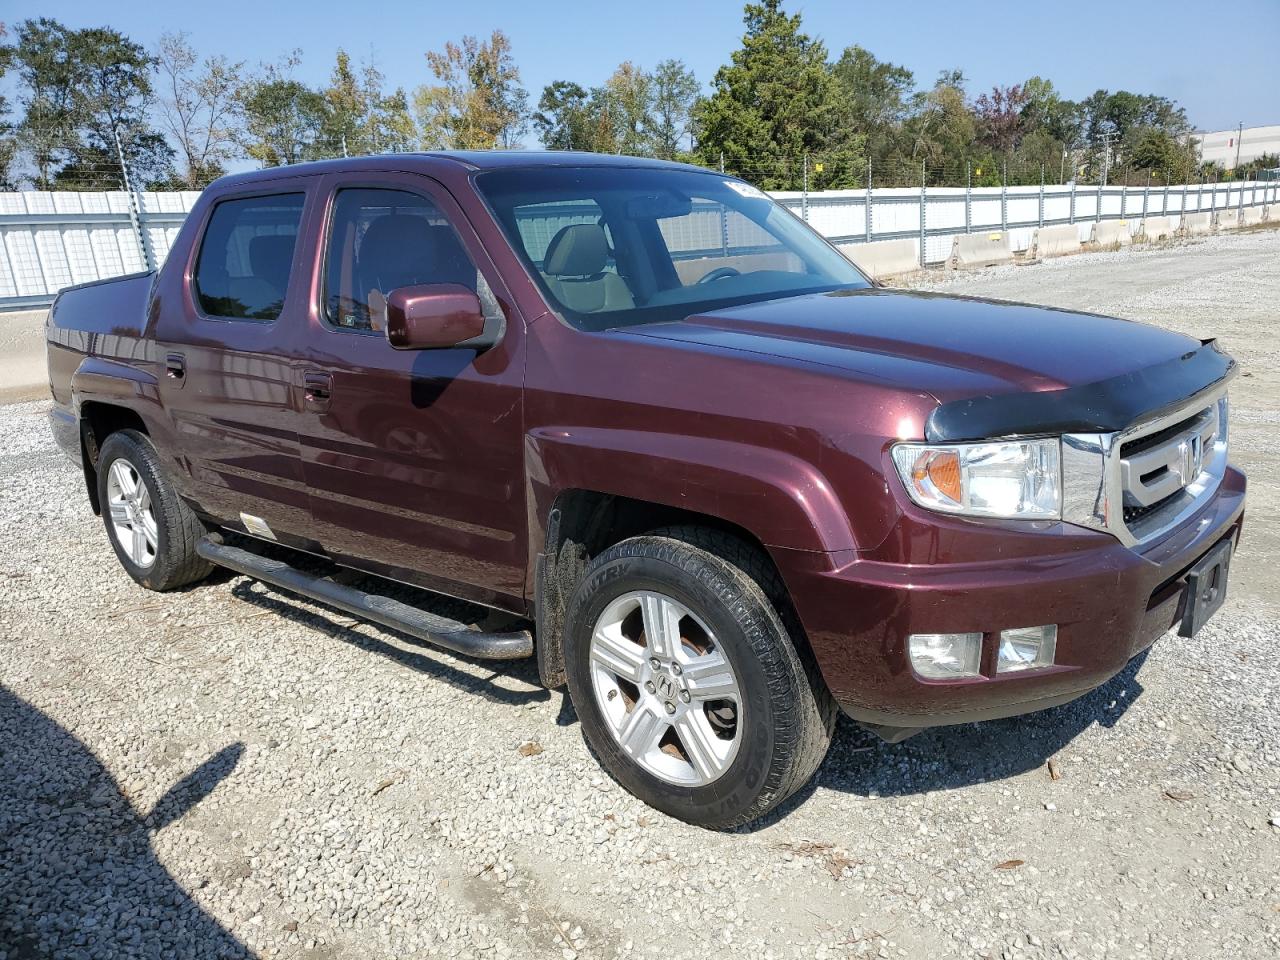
x: 78, y: 877
x: 949, y: 758
x: 430, y: 661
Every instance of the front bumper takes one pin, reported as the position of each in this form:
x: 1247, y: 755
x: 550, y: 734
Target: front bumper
x: 1110, y: 603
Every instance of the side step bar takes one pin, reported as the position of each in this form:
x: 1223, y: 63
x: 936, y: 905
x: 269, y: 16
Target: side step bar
x: 428, y: 627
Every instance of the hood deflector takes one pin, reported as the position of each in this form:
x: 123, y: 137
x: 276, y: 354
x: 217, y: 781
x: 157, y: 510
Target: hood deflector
x: 1105, y: 406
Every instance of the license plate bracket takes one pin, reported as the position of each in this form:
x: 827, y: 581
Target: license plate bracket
x: 1206, y: 588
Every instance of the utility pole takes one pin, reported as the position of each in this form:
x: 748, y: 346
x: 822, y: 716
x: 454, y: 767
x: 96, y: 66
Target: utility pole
x: 1239, y: 138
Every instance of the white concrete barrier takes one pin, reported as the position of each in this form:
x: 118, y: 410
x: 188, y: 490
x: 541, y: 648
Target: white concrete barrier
x: 1250, y: 216
x: 1111, y: 233
x: 1197, y: 224
x: 979, y: 250
x: 1228, y: 219
x: 884, y: 258
x: 1157, y: 228
x: 1273, y: 212
x: 1055, y: 241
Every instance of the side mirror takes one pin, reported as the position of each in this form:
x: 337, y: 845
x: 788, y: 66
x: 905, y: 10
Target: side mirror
x: 433, y: 315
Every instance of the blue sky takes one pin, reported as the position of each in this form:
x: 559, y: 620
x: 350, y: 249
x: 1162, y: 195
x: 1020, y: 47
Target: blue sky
x: 1222, y: 75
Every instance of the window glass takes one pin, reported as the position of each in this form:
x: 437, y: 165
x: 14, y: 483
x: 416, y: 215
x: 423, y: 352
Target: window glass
x: 381, y: 239
x: 246, y: 255
x: 614, y: 246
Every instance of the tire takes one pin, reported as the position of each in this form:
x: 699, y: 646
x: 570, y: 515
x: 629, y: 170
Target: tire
x: 717, y: 589
x: 167, y: 559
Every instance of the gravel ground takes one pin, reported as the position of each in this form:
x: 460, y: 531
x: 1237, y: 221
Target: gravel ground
x: 228, y: 771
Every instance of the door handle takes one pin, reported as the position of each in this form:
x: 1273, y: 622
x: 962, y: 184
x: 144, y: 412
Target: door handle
x: 175, y: 368
x: 317, y: 389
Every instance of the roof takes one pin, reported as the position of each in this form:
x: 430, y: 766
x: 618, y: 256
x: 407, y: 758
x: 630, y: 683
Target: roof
x: 470, y: 159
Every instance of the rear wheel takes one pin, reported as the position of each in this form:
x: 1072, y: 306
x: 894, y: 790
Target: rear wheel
x: 152, y: 531
x: 689, y: 688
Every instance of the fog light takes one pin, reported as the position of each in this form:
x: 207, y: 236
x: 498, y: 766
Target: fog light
x: 945, y: 656
x: 1027, y: 648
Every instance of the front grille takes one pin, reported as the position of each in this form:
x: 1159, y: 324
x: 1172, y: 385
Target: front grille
x: 1166, y: 469
x: 1133, y: 515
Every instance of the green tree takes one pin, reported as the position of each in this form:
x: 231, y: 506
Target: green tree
x: 563, y: 117
x: 1158, y: 153
x: 359, y: 116
x: 772, y: 105
x: 79, y: 90
x: 283, y: 118
x: 942, y: 131
x: 8, y: 143
x: 198, y: 108
x: 477, y: 102
x: 675, y: 91
x: 872, y: 98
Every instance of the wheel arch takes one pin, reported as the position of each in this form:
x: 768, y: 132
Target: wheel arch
x: 98, y: 420
x: 582, y: 523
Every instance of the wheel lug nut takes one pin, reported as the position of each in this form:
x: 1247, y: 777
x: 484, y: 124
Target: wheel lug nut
x: 655, y: 663
x: 670, y: 707
x: 648, y: 685
x: 675, y: 668
x: 684, y: 695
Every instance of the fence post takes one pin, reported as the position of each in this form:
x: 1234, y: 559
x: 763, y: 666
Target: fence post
x: 1042, y: 195
x: 924, y: 206
x: 968, y: 197
x: 1004, y: 198
x: 1239, y: 201
x: 1124, y: 200
x: 1071, y: 215
x: 1097, y: 214
x: 1146, y: 197
x: 1200, y: 194
x: 135, y: 208
x: 1164, y: 210
x: 804, y: 193
x: 1213, y: 200
x: 868, y: 199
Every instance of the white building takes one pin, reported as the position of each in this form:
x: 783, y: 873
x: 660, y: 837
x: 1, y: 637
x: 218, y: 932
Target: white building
x: 1220, y: 146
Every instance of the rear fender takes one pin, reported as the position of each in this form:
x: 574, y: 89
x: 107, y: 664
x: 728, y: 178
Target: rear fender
x: 112, y: 383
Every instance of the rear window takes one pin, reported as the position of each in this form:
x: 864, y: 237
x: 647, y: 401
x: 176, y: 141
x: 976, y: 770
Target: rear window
x: 245, y: 257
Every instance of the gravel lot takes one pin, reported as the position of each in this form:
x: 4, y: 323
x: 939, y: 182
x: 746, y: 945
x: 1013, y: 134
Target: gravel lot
x: 228, y: 771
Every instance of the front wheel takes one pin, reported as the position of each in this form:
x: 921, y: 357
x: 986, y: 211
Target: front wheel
x: 688, y: 686
x: 153, y: 532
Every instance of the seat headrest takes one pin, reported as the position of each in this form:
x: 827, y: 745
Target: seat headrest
x: 400, y: 251
x: 578, y: 250
x: 270, y: 256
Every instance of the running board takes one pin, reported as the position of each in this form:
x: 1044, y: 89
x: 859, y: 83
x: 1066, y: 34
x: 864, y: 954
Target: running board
x: 436, y: 630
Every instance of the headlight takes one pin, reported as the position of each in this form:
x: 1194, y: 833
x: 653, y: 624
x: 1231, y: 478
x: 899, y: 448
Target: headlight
x: 1019, y: 479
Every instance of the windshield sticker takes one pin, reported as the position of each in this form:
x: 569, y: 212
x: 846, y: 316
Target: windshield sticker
x: 745, y: 189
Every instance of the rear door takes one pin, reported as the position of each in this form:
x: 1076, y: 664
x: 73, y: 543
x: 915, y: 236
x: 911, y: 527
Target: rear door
x: 232, y: 384
x: 414, y: 459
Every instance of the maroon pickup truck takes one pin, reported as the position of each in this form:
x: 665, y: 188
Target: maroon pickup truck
x: 713, y: 478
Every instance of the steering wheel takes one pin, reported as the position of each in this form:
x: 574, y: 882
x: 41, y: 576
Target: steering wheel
x: 719, y: 273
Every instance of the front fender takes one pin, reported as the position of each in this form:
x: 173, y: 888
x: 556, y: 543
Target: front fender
x: 782, y: 500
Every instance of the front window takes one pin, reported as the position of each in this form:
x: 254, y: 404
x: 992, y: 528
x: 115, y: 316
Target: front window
x: 616, y: 246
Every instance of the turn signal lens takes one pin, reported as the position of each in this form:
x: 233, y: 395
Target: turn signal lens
x: 942, y: 470
x: 1017, y: 479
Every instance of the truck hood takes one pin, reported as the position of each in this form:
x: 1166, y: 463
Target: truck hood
x: 952, y: 347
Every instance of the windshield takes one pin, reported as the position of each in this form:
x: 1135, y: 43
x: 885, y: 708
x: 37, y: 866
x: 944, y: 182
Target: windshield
x: 617, y: 246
